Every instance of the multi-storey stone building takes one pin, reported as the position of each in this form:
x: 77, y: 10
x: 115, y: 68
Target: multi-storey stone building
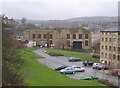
x: 110, y: 47
x: 64, y: 38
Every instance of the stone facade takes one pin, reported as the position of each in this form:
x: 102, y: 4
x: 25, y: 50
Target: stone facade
x: 110, y: 48
x: 63, y: 38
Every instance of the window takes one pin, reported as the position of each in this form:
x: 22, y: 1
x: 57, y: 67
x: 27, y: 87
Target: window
x: 86, y: 36
x: 110, y: 55
x: 110, y: 40
x: 102, y: 47
x: 114, y: 40
x: 80, y: 36
x: 50, y: 36
x: 102, y: 39
x: 118, y: 57
x: 45, y: 36
x: 33, y: 36
x: 119, y: 40
x: 105, y: 47
x: 39, y: 36
x: 118, y: 49
x: 74, y: 36
x: 105, y: 55
x: 114, y: 48
x: 86, y: 43
x: 109, y: 47
x: 106, y: 39
x: 68, y: 43
x: 114, y: 56
x: 68, y: 36
x: 102, y: 54
x: 18, y: 37
x: 51, y: 42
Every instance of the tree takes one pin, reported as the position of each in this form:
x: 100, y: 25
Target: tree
x: 23, y: 20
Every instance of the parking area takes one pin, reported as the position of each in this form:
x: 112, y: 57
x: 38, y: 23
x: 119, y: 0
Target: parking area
x: 52, y: 62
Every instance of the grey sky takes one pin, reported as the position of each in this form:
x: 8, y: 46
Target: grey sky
x: 58, y: 9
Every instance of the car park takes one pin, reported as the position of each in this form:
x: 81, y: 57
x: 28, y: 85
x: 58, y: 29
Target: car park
x: 60, y: 67
x: 78, y: 69
x: 73, y: 59
x: 68, y: 70
x: 88, y: 63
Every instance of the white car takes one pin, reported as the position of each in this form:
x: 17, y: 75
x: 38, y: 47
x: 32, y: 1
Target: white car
x: 78, y: 69
x: 95, y: 65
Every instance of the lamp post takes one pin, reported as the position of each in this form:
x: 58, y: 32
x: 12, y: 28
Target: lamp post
x: 45, y: 57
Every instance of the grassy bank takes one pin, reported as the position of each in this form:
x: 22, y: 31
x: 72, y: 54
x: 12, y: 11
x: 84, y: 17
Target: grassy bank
x: 37, y: 74
x: 80, y: 55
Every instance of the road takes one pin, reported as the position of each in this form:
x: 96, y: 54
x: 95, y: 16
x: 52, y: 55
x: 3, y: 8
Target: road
x: 55, y: 61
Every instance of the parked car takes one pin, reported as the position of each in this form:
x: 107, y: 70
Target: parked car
x: 102, y: 67
x: 88, y: 63
x: 115, y: 72
x: 73, y: 59
x: 95, y: 65
x: 78, y: 69
x: 86, y: 78
x: 60, y: 67
x: 96, y: 56
x: 89, y: 77
x: 68, y: 70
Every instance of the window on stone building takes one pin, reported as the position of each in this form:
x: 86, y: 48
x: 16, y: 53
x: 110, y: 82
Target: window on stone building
x: 102, y: 39
x: 86, y: 36
x: 114, y: 56
x: 109, y: 47
x: 106, y: 47
x: 68, y: 36
x: 105, y: 55
x: 110, y: 39
x: 45, y: 36
x: 80, y: 36
x: 33, y: 36
x: 39, y: 36
x: 74, y: 36
x: 114, y: 48
x: 102, y: 55
x: 51, y: 42
x: 51, y: 36
x: 86, y: 43
x: 102, y: 46
x: 68, y: 43
x: 106, y: 39
x: 118, y: 57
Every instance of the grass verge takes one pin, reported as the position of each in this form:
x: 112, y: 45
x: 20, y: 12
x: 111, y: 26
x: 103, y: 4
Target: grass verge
x: 82, y: 56
x: 37, y: 74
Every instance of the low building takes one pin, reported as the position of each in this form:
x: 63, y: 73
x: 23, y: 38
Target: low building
x: 110, y: 48
x: 63, y: 38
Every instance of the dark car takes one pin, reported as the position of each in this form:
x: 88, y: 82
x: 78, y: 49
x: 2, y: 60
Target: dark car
x: 60, y: 67
x: 73, y: 59
x: 102, y: 67
x: 88, y: 63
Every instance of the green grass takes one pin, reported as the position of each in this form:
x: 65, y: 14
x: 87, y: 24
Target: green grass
x: 37, y: 74
x: 80, y: 55
x: 30, y: 49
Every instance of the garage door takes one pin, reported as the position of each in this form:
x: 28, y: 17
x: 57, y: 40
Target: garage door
x: 77, y: 44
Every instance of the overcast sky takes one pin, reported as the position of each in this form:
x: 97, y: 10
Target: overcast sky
x: 58, y: 9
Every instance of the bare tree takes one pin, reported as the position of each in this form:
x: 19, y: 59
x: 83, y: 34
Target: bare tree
x: 23, y: 20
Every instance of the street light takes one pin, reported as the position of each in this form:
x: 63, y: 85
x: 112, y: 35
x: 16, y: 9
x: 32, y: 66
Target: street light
x: 45, y: 57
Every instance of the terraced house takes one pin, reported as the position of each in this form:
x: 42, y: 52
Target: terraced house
x: 110, y: 48
x: 64, y: 38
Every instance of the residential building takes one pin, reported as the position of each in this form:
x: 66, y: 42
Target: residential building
x: 110, y: 48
